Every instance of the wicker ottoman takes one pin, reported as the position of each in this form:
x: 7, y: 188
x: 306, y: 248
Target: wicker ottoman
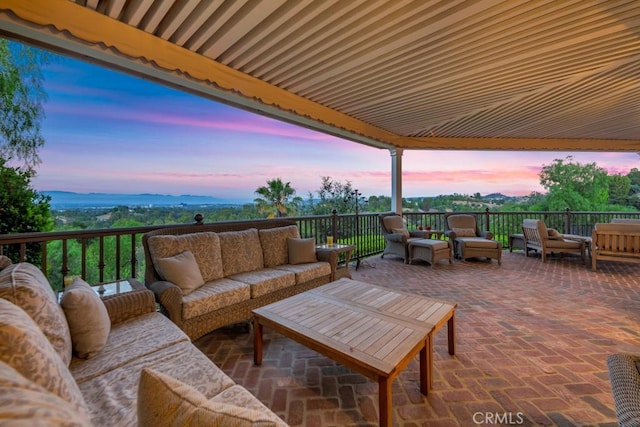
x: 430, y: 250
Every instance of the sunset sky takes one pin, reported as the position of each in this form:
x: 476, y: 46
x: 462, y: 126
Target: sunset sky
x: 112, y: 133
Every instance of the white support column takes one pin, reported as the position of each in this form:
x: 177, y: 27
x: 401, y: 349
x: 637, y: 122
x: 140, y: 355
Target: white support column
x: 396, y: 180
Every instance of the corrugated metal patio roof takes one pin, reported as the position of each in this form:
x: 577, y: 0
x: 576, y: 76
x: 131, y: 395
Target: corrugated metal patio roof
x: 515, y: 74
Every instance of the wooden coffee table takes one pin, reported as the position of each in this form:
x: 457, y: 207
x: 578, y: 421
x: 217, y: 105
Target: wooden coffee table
x: 374, y: 331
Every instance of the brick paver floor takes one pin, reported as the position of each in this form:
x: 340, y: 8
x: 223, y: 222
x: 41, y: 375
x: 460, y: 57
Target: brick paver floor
x: 531, y: 345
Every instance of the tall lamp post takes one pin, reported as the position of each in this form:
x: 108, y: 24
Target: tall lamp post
x: 358, y: 200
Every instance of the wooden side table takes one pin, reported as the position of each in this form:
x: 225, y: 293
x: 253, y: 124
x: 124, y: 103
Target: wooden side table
x: 341, y: 270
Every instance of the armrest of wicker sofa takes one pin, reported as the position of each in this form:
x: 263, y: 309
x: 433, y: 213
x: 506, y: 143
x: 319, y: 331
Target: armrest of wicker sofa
x: 169, y: 295
x: 128, y: 305
x: 486, y: 234
x: 328, y: 256
x: 625, y: 386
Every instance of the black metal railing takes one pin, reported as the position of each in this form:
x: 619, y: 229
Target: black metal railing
x: 117, y: 253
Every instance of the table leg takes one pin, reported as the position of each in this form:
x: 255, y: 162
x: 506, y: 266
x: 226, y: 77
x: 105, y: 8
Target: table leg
x: 384, y: 396
x: 426, y: 376
x: 257, y: 342
x: 451, y: 332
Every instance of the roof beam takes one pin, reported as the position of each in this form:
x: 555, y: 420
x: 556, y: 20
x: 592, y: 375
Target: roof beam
x: 522, y: 144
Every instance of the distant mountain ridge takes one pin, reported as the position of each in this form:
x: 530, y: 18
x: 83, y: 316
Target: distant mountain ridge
x: 71, y: 200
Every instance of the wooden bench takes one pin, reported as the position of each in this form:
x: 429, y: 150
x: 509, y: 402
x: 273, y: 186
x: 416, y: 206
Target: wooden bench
x: 615, y: 242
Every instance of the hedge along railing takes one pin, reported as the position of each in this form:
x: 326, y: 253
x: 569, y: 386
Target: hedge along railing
x: 117, y: 253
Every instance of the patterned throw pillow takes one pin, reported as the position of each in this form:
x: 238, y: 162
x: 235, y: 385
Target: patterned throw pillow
x: 464, y: 232
x: 24, y: 285
x: 23, y: 402
x: 165, y: 401
x: 24, y: 347
x: 88, y: 319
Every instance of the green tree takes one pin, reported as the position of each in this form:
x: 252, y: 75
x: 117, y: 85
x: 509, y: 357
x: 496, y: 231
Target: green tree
x: 574, y: 185
x: 22, y: 209
x: 331, y: 195
x: 619, y: 188
x: 21, y: 98
x: 277, y: 198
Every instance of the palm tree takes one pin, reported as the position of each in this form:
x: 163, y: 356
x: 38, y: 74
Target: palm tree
x: 276, y: 196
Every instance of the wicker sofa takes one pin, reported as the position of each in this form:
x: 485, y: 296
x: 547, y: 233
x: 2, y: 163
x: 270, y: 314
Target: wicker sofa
x: 114, y: 361
x: 243, y: 264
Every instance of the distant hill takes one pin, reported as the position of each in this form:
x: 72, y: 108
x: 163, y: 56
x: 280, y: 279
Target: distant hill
x: 71, y: 200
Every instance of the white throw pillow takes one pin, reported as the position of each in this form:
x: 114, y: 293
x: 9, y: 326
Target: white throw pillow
x: 87, y: 317
x: 182, y: 270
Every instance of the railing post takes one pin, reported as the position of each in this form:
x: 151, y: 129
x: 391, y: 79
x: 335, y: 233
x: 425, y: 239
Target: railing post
x: 334, y: 224
x: 567, y: 221
x: 486, y: 218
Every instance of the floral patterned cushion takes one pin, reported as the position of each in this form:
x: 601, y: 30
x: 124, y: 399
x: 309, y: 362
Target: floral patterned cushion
x: 88, y: 319
x: 205, y: 247
x: 274, y: 244
x: 24, y: 285
x: 165, y: 401
x: 241, y: 251
x: 128, y: 341
x: 266, y: 280
x: 213, y: 296
x: 24, y: 347
x: 112, y: 396
x: 23, y: 402
x: 307, y: 272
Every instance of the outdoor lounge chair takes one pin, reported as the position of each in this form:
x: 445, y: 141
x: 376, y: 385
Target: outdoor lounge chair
x: 543, y: 240
x: 396, y: 235
x: 469, y: 241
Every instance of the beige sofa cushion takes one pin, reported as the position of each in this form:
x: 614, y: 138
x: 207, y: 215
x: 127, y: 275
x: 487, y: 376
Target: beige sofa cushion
x: 266, y: 280
x: 165, y: 401
x: 307, y: 272
x: 181, y: 269
x: 113, y: 395
x: 477, y: 242
x: 88, y: 319
x: 128, y: 341
x: 24, y: 285
x: 464, y: 232
x: 205, y: 247
x: 241, y: 251
x: 24, y: 347
x: 25, y: 403
x: 302, y: 251
x: 274, y: 244
x: 214, y: 296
